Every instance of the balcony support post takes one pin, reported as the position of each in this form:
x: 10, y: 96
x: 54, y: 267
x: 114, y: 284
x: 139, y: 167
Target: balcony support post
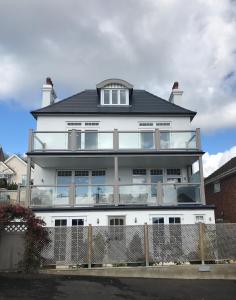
x: 115, y: 140
x: 31, y: 140
x: 202, y: 188
x: 116, y: 181
x: 73, y: 140
x: 28, y: 182
x: 72, y: 195
x: 159, y: 194
x: 198, y: 139
x: 157, y: 139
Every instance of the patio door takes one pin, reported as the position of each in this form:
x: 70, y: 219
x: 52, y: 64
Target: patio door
x: 78, y: 240
x: 116, y: 238
x: 60, y: 239
x: 64, y: 179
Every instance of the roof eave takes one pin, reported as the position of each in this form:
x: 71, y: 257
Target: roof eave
x: 35, y: 114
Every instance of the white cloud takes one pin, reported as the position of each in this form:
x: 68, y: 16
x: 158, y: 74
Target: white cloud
x: 10, y: 75
x: 149, y: 43
x: 211, y: 162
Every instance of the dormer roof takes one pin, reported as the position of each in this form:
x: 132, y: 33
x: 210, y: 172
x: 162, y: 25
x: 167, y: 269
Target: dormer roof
x: 113, y: 82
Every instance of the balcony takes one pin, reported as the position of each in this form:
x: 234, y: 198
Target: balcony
x: 114, y: 141
x: 160, y: 194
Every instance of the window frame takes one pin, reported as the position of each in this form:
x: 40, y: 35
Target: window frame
x: 118, y: 97
x: 218, y: 189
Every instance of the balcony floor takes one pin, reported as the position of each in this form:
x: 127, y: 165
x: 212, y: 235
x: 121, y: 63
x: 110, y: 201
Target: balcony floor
x: 72, y: 161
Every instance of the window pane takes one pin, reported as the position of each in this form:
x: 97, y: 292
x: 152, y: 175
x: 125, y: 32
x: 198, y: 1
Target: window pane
x: 173, y: 171
x: 91, y: 140
x: 158, y: 220
x: 147, y: 140
x: 82, y: 181
x: 77, y: 222
x: 139, y: 171
x: 106, y: 97
x: 123, y: 97
x: 114, y: 97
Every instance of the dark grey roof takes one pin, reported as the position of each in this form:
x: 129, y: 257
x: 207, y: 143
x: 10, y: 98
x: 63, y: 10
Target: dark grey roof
x: 87, y: 102
x: 226, y: 168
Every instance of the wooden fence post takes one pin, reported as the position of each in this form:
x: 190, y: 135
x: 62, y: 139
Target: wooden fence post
x: 146, y: 245
x: 202, y: 242
x: 90, y: 241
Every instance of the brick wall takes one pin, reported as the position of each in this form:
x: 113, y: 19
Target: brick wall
x: 225, y: 200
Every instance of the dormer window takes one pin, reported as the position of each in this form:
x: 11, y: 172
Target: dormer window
x: 114, y: 92
x: 114, y: 96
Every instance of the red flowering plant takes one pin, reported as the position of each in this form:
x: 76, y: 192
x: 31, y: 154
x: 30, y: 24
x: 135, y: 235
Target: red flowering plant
x: 36, y: 236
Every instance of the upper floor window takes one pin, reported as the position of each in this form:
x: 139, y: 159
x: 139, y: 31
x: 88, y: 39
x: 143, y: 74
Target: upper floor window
x: 217, y: 187
x: 114, y: 97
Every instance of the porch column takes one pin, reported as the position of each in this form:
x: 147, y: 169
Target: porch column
x: 29, y: 162
x: 198, y: 139
x: 159, y: 194
x: 116, y: 181
x: 157, y: 139
x: 28, y: 182
x: 202, y: 187
x: 115, y: 140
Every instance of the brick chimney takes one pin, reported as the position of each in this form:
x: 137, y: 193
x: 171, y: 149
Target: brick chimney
x: 176, y: 94
x: 48, y: 93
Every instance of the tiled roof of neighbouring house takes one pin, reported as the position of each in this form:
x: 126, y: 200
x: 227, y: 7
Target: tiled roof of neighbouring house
x: 225, y: 169
x: 87, y: 102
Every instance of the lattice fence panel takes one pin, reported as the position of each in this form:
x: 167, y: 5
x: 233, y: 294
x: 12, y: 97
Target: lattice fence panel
x: 173, y: 243
x: 220, y: 242
x: 118, y: 244
x: 68, y: 246
x: 14, y: 227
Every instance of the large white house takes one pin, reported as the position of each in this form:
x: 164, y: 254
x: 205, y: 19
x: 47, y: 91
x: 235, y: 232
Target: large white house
x: 116, y: 155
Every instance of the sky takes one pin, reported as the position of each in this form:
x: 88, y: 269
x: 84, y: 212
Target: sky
x: 149, y: 43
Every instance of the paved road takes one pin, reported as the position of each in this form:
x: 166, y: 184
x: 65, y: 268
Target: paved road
x: 55, y: 287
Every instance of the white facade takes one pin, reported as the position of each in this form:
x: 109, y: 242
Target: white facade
x: 129, y: 123
x: 166, y: 176
x: 132, y: 217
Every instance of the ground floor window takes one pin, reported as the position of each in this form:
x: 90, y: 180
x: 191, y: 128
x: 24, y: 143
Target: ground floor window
x: 116, y: 229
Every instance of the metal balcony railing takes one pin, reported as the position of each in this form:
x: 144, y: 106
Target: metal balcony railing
x: 74, y: 140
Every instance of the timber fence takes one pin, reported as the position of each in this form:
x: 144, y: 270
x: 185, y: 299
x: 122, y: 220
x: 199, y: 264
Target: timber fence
x: 125, y: 245
x: 140, y: 244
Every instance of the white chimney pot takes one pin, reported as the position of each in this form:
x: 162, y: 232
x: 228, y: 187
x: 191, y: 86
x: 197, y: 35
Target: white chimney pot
x: 176, y: 94
x: 48, y: 95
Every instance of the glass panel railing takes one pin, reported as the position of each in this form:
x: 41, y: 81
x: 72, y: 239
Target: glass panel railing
x: 174, y: 194
x: 22, y: 196
x: 136, y: 140
x: 50, y: 196
x: 8, y: 197
x: 50, y: 141
x: 89, y: 195
x: 137, y: 194
x: 178, y: 140
x: 95, y: 140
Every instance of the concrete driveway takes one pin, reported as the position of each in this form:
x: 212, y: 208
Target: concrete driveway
x: 48, y: 287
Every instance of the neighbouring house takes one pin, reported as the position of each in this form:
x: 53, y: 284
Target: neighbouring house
x: 14, y: 170
x: 220, y: 189
x: 116, y: 155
